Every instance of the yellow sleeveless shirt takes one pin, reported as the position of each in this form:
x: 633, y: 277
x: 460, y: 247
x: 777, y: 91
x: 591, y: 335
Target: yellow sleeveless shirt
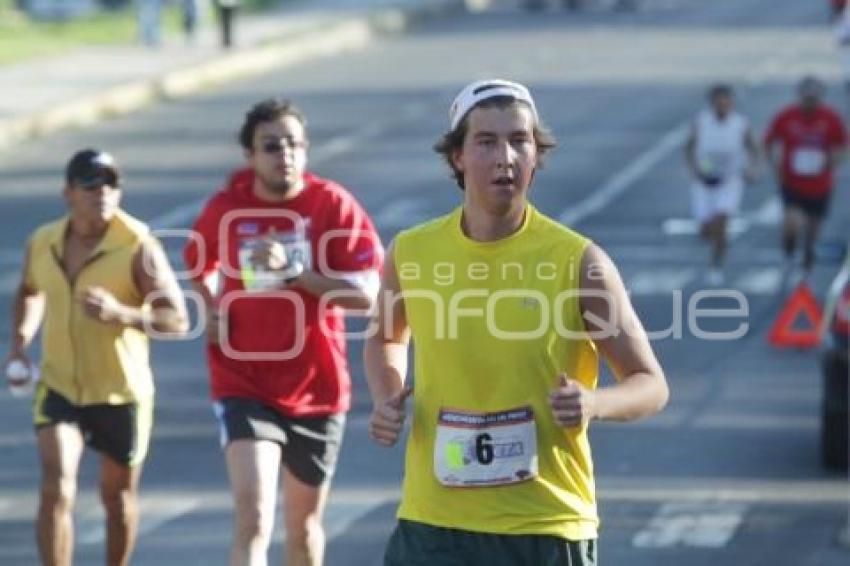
x: 493, y: 324
x: 84, y: 360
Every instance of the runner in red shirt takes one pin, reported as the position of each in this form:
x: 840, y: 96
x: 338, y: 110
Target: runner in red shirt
x: 292, y: 251
x: 804, y: 143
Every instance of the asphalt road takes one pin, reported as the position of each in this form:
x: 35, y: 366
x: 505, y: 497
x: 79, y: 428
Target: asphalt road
x: 729, y: 473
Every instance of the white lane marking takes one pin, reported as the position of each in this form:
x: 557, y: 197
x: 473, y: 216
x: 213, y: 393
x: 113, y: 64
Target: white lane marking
x: 699, y: 489
x: 769, y: 213
x: 351, y: 502
x: 639, y: 253
x: 690, y: 227
x: 158, y: 507
x: 402, y: 212
x: 342, y: 514
x: 623, y: 180
x: 178, y: 217
x: 663, y: 281
x: 742, y: 422
x: 659, y: 281
x: 759, y: 281
x: 21, y: 505
x: 699, y: 524
x: 153, y: 513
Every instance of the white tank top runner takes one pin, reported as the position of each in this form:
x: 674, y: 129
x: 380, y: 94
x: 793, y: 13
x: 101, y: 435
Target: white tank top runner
x: 720, y: 149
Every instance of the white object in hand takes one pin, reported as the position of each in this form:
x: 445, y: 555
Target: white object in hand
x: 21, y: 378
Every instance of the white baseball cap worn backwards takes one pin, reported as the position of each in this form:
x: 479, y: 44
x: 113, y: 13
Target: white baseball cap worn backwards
x: 479, y: 91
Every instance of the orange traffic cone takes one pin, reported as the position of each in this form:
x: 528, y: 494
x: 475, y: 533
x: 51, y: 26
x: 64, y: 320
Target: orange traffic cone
x: 783, y: 333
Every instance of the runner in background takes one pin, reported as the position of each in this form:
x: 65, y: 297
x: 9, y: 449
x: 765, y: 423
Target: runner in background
x: 102, y: 284
x: 722, y: 155
x: 293, y: 250
x: 804, y: 144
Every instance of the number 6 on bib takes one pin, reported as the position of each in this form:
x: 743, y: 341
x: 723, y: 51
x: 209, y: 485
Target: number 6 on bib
x: 485, y: 449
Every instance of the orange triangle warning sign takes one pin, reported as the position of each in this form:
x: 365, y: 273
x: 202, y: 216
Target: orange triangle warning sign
x: 783, y: 333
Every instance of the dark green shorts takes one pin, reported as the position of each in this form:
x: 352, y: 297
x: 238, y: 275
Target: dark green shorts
x: 419, y: 544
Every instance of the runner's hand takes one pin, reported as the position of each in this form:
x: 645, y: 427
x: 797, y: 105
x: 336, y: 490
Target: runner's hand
x: 213, y: 325
x: 101, y: 305
x: 19, y: 356
x: 269, y: 254
x: 572, y: 404
x: 387, y: 419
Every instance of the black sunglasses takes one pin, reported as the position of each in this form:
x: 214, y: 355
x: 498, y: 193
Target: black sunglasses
x: 276, y: 146
x: 95, y: 183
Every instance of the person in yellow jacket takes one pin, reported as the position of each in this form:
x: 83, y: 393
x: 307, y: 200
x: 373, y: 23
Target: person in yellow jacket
x: 102, y: 284
x: 509, y: 312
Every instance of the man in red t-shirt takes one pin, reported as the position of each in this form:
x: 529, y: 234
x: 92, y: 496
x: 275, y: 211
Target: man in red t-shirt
x: 804, y: 143
x: 291, y: 251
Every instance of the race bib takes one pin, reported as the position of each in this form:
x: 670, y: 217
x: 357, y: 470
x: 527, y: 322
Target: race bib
x: 808, y: 162
x: 256, y: 278
x: 485, y: 449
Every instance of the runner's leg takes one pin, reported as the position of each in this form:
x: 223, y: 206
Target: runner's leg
x: 812, y: 230
x: 60, y: 447
x: 252, y: 466
x: 119, y: 492
x: 792, y: 223
x: 303, y: 509
x: 719, y: 241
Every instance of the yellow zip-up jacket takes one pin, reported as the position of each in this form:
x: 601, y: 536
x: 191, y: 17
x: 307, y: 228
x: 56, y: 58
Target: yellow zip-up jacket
x: 86, y: 361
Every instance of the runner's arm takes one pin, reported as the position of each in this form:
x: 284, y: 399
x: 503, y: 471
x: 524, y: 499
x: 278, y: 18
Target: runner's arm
x: 839, y: 149
x: 385, y: 357
x: 167, y: 305
x: 772, y: 149
x: 752, y: 146
x: 163, y: 311
x: 385, y: 351
x: 753, y: 155
x: 641, y: 388
x: 691, y: 151
x: 27, y: 313
x: 356, y: 293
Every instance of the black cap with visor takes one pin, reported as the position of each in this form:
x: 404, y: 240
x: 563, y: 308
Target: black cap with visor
x: 91, y: 169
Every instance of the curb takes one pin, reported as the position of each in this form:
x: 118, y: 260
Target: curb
x: 251, y: 61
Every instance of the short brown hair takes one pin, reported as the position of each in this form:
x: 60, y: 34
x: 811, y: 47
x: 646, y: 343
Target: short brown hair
x: 267, y: 110
x: 453, y: 139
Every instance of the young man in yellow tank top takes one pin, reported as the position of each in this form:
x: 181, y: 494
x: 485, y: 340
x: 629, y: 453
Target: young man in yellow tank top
x: 509, y: 311
x: 102, y: 284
